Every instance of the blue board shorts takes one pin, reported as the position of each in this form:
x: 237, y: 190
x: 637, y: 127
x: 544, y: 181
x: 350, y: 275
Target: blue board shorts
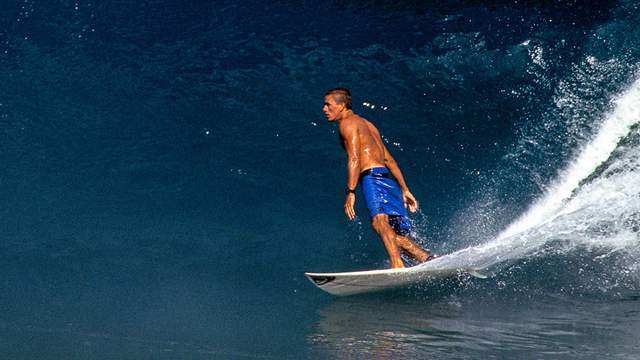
x: 382, y: 195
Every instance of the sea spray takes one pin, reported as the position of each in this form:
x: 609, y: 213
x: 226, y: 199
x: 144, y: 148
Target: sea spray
x: 617, y: 125
x: 571, y: 211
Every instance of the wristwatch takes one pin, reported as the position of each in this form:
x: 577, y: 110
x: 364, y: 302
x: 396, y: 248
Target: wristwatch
x: 347, y: 191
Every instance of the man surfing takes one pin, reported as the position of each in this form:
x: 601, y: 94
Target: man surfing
x: 370, y: 164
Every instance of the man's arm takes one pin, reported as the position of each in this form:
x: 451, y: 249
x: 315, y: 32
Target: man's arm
x: 393, y: 167
x: 391, y: 164
x: 349, y: 134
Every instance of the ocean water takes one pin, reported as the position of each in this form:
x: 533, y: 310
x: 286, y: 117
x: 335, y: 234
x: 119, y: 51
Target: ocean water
x: 168, y: 176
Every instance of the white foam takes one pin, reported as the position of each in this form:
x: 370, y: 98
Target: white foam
x: 593, y: 215
x: 617, y: 125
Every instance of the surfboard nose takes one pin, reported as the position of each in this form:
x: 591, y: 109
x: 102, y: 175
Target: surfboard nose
x: 320, y: 279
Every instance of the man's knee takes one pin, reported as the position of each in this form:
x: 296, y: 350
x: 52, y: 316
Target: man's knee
x: 380, y: 222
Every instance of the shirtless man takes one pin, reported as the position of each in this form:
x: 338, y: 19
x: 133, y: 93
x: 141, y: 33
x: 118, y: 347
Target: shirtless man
x: 369, y: 163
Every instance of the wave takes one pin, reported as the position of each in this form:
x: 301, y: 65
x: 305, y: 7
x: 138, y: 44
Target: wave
x: 593, y: 204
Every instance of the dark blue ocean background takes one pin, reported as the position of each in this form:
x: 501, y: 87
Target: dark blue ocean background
x: 167, y: 176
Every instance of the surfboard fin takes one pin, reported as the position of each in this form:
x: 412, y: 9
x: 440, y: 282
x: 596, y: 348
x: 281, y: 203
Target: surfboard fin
x: 477, y: 274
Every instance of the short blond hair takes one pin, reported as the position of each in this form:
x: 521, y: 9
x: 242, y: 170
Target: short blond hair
x: 341, y: 96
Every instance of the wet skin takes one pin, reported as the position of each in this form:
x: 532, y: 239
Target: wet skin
x: 365, y: 150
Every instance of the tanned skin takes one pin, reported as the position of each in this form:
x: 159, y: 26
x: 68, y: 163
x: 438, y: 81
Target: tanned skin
x: 365, y: 150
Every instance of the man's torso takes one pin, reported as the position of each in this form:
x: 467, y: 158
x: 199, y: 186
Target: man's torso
x: 371, y: 153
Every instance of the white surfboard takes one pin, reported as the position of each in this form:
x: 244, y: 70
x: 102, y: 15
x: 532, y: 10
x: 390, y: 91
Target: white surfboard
x: 349, y: 283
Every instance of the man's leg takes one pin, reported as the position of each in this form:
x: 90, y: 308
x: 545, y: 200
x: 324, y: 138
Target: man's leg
x: 380, y: 224
x: 412, y: 248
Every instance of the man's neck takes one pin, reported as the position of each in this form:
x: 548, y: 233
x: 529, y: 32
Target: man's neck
x: 345, y: 115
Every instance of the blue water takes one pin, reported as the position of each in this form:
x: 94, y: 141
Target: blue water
x: 167, y: 177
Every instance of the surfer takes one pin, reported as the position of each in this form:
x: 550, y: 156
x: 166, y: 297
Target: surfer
x: 370, y: 164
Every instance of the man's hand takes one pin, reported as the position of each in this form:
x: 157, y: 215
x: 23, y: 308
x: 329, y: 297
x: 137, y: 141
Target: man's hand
x: 410, y: 202
x: 349, y: 208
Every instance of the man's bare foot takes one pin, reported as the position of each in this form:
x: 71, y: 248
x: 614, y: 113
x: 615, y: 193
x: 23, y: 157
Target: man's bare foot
x: 431, y: 257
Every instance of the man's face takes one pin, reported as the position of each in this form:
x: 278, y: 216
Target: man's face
x: 331, y: 109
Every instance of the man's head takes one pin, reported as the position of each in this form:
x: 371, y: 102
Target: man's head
x: 336, y: 102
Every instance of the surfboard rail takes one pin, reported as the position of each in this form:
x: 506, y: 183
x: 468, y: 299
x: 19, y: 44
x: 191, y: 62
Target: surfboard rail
x: 358, y: 282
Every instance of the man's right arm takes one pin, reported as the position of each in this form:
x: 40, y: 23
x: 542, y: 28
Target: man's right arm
x: 391, y: 164
x: 393, y: 167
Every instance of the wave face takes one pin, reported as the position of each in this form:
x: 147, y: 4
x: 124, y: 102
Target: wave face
x: 592, y: 205
x: 586, y: 210
x: 167, y: 176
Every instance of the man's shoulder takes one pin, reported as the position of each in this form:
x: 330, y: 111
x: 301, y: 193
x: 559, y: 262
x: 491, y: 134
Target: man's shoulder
x: 349, y: 123
x: 357, y: 124
x: 354, y: 121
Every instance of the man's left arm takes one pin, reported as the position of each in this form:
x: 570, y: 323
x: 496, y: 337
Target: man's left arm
x: 349, y: 133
